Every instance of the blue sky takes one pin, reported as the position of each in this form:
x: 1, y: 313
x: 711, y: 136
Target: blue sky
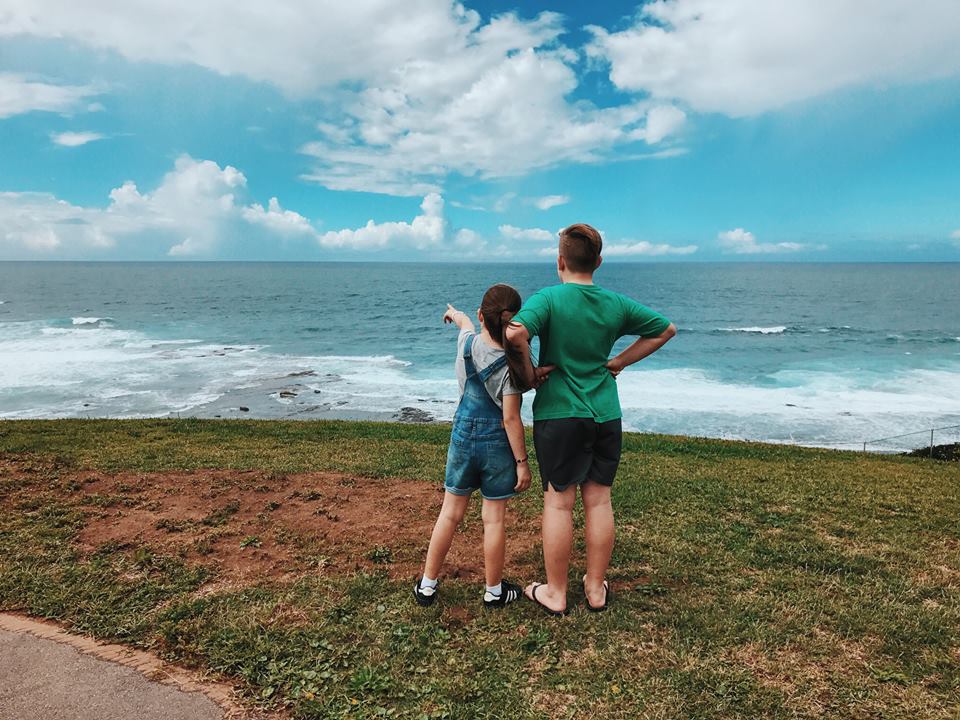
x: 687, y: 130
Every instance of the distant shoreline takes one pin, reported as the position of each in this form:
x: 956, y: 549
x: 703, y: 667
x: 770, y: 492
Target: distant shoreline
x: 548, y: 263
x: 407, y: 416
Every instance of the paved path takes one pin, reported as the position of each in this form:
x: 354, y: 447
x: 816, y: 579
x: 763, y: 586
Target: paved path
x: 50, y: 679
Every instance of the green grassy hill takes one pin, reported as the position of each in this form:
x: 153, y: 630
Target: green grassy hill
x: 752, y: 581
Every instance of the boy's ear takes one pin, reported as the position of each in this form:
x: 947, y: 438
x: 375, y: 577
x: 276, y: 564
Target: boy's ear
x: 561, y: 263
x: 599, y: 260
x: 479, y: 317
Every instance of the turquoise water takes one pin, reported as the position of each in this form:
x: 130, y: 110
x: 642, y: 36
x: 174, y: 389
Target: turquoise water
x: 816, y: 354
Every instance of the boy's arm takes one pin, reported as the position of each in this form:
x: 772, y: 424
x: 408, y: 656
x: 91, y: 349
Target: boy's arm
x: 641, y: 348
x: 518, y: 440
x: 518, y: 346
x: 458, y: 318
x: 518, y: 340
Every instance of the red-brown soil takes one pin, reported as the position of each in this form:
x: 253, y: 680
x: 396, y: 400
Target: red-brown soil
x: 252, y: 526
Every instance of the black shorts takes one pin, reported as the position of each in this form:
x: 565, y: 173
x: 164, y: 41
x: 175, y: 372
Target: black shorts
x: 571, y: 451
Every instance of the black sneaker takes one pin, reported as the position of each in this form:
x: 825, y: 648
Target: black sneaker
x: 508, y: 594
x: 424, y: 595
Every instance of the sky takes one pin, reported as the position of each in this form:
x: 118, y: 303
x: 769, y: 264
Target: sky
x: 684, y: 130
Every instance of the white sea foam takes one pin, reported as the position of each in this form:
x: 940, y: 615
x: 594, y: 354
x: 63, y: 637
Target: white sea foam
x: 814, y: 407
x: 773, y: 330
x: 92, y: 321
x: 368, y: 360
x: 50, y: 371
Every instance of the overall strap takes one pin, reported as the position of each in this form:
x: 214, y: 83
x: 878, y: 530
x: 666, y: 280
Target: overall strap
x: 468, y: 356
x: 493, y: 367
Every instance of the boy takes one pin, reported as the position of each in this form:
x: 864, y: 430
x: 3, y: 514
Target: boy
x: 576, y: 416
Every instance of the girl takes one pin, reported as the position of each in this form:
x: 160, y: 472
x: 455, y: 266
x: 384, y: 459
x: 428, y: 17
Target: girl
x: 487, y: 446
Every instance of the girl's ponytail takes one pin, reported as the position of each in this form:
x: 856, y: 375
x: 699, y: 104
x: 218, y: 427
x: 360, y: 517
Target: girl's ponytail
x: 514, y: 359
x: 500, y: 303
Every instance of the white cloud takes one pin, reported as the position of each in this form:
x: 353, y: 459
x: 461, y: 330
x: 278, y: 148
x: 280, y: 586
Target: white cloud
x: 297, y: 45
x: 662, y: 121
x: 955, y: 236
x: 75, y: 139
x: 509, y: 116
x: 647, y: 248
x: 19, y: 95
x: 467, y: 205
x: 468, y: 239
x: 409, y: 92
x: 425, y: 230
x: 495, y: 105
x: 189, y: 247
x: 42, y: 239
x: 743, y: 242
x: 743, y: 57
x: 196, y: 211
x: 628, y: 249
x: 548, y: 201
x: 33, y: 223
x: 275, y: 218
x: 191, y: 212
x: 511, y: 232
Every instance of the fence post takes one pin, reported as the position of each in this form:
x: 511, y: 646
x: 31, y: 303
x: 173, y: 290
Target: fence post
x: 931, y: 442
x: 864, y: 445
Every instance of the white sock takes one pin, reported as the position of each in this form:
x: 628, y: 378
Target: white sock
x: 495, y: 589
x: 426, y: 582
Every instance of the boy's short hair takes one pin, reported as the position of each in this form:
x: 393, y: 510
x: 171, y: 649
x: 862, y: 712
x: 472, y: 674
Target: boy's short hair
x: 580, y: 246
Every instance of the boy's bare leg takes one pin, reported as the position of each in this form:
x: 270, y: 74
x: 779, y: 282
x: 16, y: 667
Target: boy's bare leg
x: 454, y: 507
x: 557, y: 544
x: 494, y: 540
x: 599, y: 534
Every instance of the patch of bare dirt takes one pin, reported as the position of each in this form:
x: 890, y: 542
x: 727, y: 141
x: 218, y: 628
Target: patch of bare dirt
x: 251, y: 526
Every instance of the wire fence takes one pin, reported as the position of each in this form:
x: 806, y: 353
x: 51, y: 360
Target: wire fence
x: 928, y: 440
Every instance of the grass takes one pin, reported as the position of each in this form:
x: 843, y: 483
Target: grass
x: 752, y: 581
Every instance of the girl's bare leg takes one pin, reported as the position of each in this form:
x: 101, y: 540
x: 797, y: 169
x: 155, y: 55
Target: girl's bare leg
x: 454, y: 507
x: 494, y: 540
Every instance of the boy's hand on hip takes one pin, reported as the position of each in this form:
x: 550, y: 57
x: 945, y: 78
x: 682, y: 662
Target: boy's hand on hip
x: 523, y: 477
x: 540, y: 374
x: 615, y: 366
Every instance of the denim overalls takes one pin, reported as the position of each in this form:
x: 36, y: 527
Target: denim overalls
x: 480, y: 455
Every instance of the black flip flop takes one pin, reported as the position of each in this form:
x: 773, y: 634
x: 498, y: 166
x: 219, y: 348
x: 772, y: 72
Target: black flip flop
x: 547, y: 610
x: 606, y: 597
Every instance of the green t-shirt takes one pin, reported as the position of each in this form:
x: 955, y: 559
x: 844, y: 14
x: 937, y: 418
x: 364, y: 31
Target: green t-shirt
x: 577, y: 326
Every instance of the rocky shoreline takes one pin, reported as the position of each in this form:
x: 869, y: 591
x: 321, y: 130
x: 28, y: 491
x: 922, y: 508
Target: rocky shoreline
x: 302, y: 395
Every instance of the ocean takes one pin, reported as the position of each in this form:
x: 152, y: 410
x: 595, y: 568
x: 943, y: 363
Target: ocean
x: 815, y: 354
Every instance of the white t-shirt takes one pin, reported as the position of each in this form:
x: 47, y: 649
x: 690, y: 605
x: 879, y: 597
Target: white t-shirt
x: 483, y: 355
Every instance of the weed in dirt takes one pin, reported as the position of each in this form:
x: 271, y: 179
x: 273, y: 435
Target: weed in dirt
x: 381, y: 555
x: 172, y: 526
x: 222, y: 515
x: 324, y: 513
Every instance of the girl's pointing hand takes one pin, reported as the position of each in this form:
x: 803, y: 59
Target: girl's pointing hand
x: 448, y: 315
